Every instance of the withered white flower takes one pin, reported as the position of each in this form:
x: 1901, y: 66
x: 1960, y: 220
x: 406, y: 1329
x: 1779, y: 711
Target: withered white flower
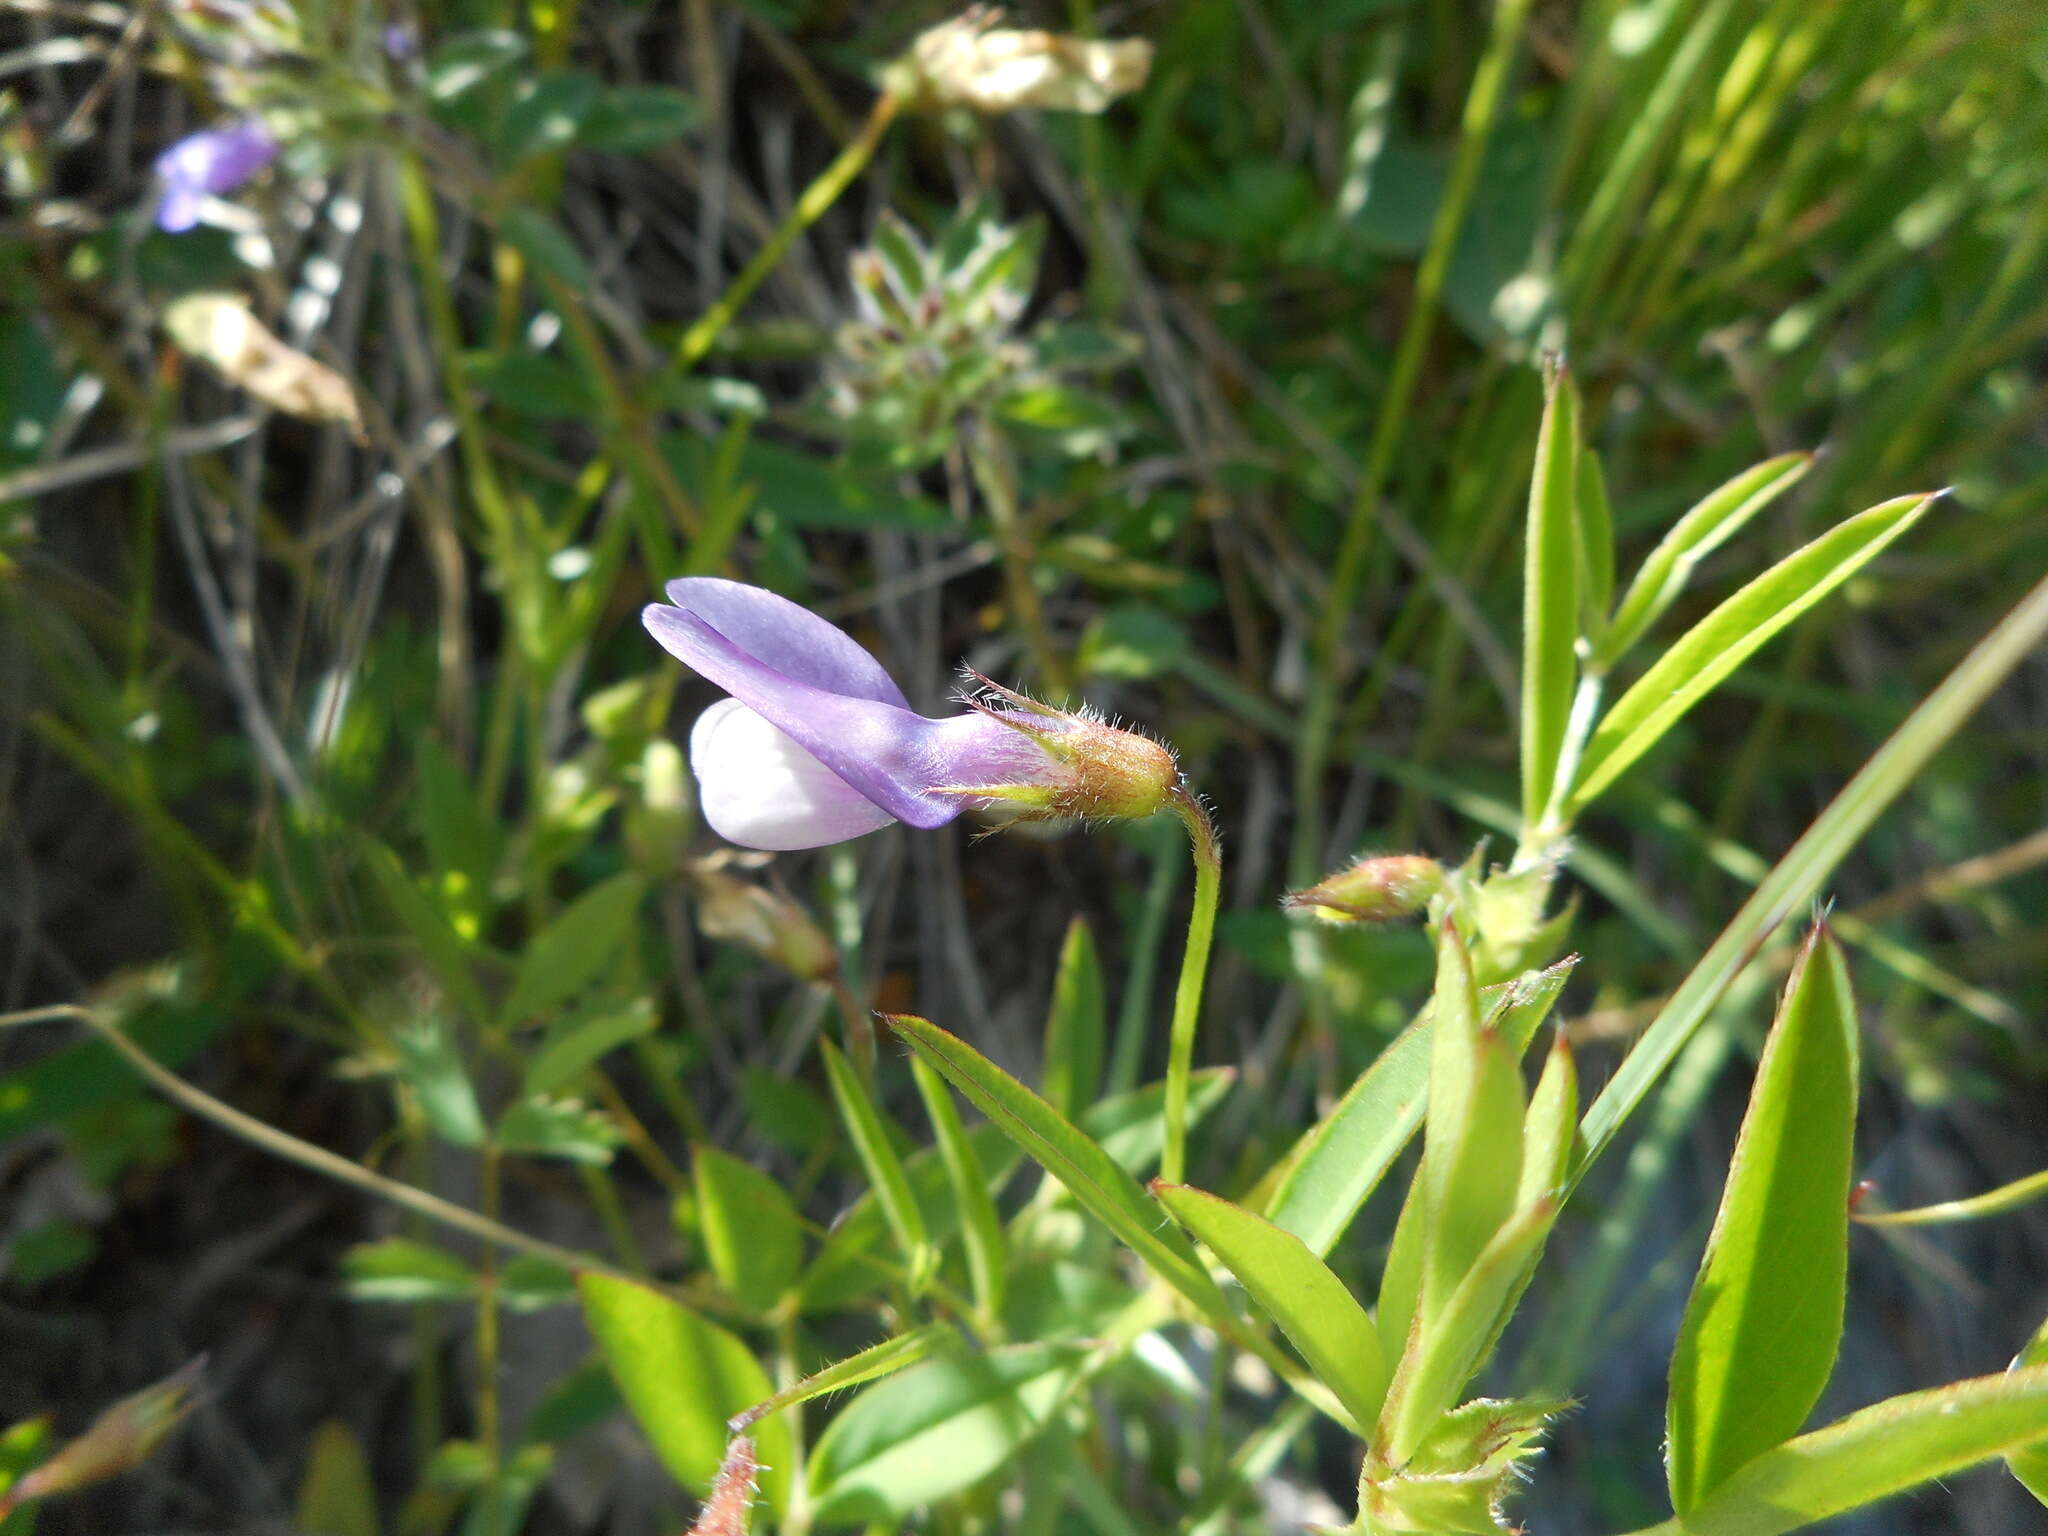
x: 970, y: 62
x: 219, y: 330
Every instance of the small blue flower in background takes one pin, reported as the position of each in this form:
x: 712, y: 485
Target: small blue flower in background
x: 817, y: 744
x: 206, y: 164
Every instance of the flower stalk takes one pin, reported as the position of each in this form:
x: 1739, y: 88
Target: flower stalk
x: 1207, y: 849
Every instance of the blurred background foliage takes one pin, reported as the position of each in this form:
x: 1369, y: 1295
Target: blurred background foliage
x: 337, y: 765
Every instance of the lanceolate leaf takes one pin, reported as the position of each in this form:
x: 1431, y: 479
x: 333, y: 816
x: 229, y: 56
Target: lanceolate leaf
x: 1890, y: 1447
x: 1453, y: 1340
x: 1759, y: 1337
x: 1320, y: 1317
x: 1550, y: 595
x: 682, y: 1377
x: 1717, y: 518
x: 1108, y: 1193
x: 1340, y: 1162
x: 1333, y: 1170
x: 1705, y: 655
x: 940, y: 1426
x: 1472, y: 1143
x: 752, y: 1233
x: 570, y: 952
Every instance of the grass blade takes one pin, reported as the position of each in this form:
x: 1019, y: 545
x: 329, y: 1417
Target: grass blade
x: 1798, y: 877
x: 981, y: 1229
x: 884, y: 1168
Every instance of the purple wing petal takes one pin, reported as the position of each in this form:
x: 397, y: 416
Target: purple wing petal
x: 790, y: 639
x: 898, y: 759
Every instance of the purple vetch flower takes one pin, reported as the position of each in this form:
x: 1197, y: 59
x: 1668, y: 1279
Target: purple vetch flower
x: 817, y: 744
x: 205, y: 164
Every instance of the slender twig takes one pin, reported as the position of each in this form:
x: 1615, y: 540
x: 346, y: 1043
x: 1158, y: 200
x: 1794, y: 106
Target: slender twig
x: 1194, y: 967
x: 282, y: 1144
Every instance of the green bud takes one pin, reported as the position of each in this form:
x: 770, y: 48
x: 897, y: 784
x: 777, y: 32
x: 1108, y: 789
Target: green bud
x: 1373, y: 890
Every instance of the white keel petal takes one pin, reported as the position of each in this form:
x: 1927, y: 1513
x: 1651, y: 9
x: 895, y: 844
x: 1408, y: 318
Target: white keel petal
x: 759, y: 789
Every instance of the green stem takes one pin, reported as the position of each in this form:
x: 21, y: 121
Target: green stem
x: 1194, y: 969
x: 810, y: 206
x: 1482, y: 111
x: 1539, y: 841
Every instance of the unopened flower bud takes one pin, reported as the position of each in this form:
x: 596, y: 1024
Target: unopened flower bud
x: 769, y: 925
x: 1372, y: 890
x: 119, y: 1440
x: 969, y: 62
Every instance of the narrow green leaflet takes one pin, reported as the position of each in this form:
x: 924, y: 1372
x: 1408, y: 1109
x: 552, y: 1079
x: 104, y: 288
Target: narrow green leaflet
x: 1596, y: 545
x: 430, y: 1064
x: 935, y: 1429
x: 1760, y: 1333
x: 399, y: 1269
x: 1454, y: 1339
x: 1128, y: 1126
x: 1076, y: 1028
x: 1722, y: 641
x: 1334, y: 1168
x: 1794, y: 879
x: 1320, y: 1317
x: 877, y: 1360
x: 1553, y: 1120
x: 1550, y: 595
x: 884, y: 1168
x: 1885, y: 1449
x: 682, y: 1377
x: 1111, y: 1195
x: 579, y: 1042
x: 573, y: 949
x: 1718, y: 517
x: 444, y: 950
x: 1472, y: 1141
x: 981, y: 1229
x: 753, y: 1236
x: 1332, y: 1171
